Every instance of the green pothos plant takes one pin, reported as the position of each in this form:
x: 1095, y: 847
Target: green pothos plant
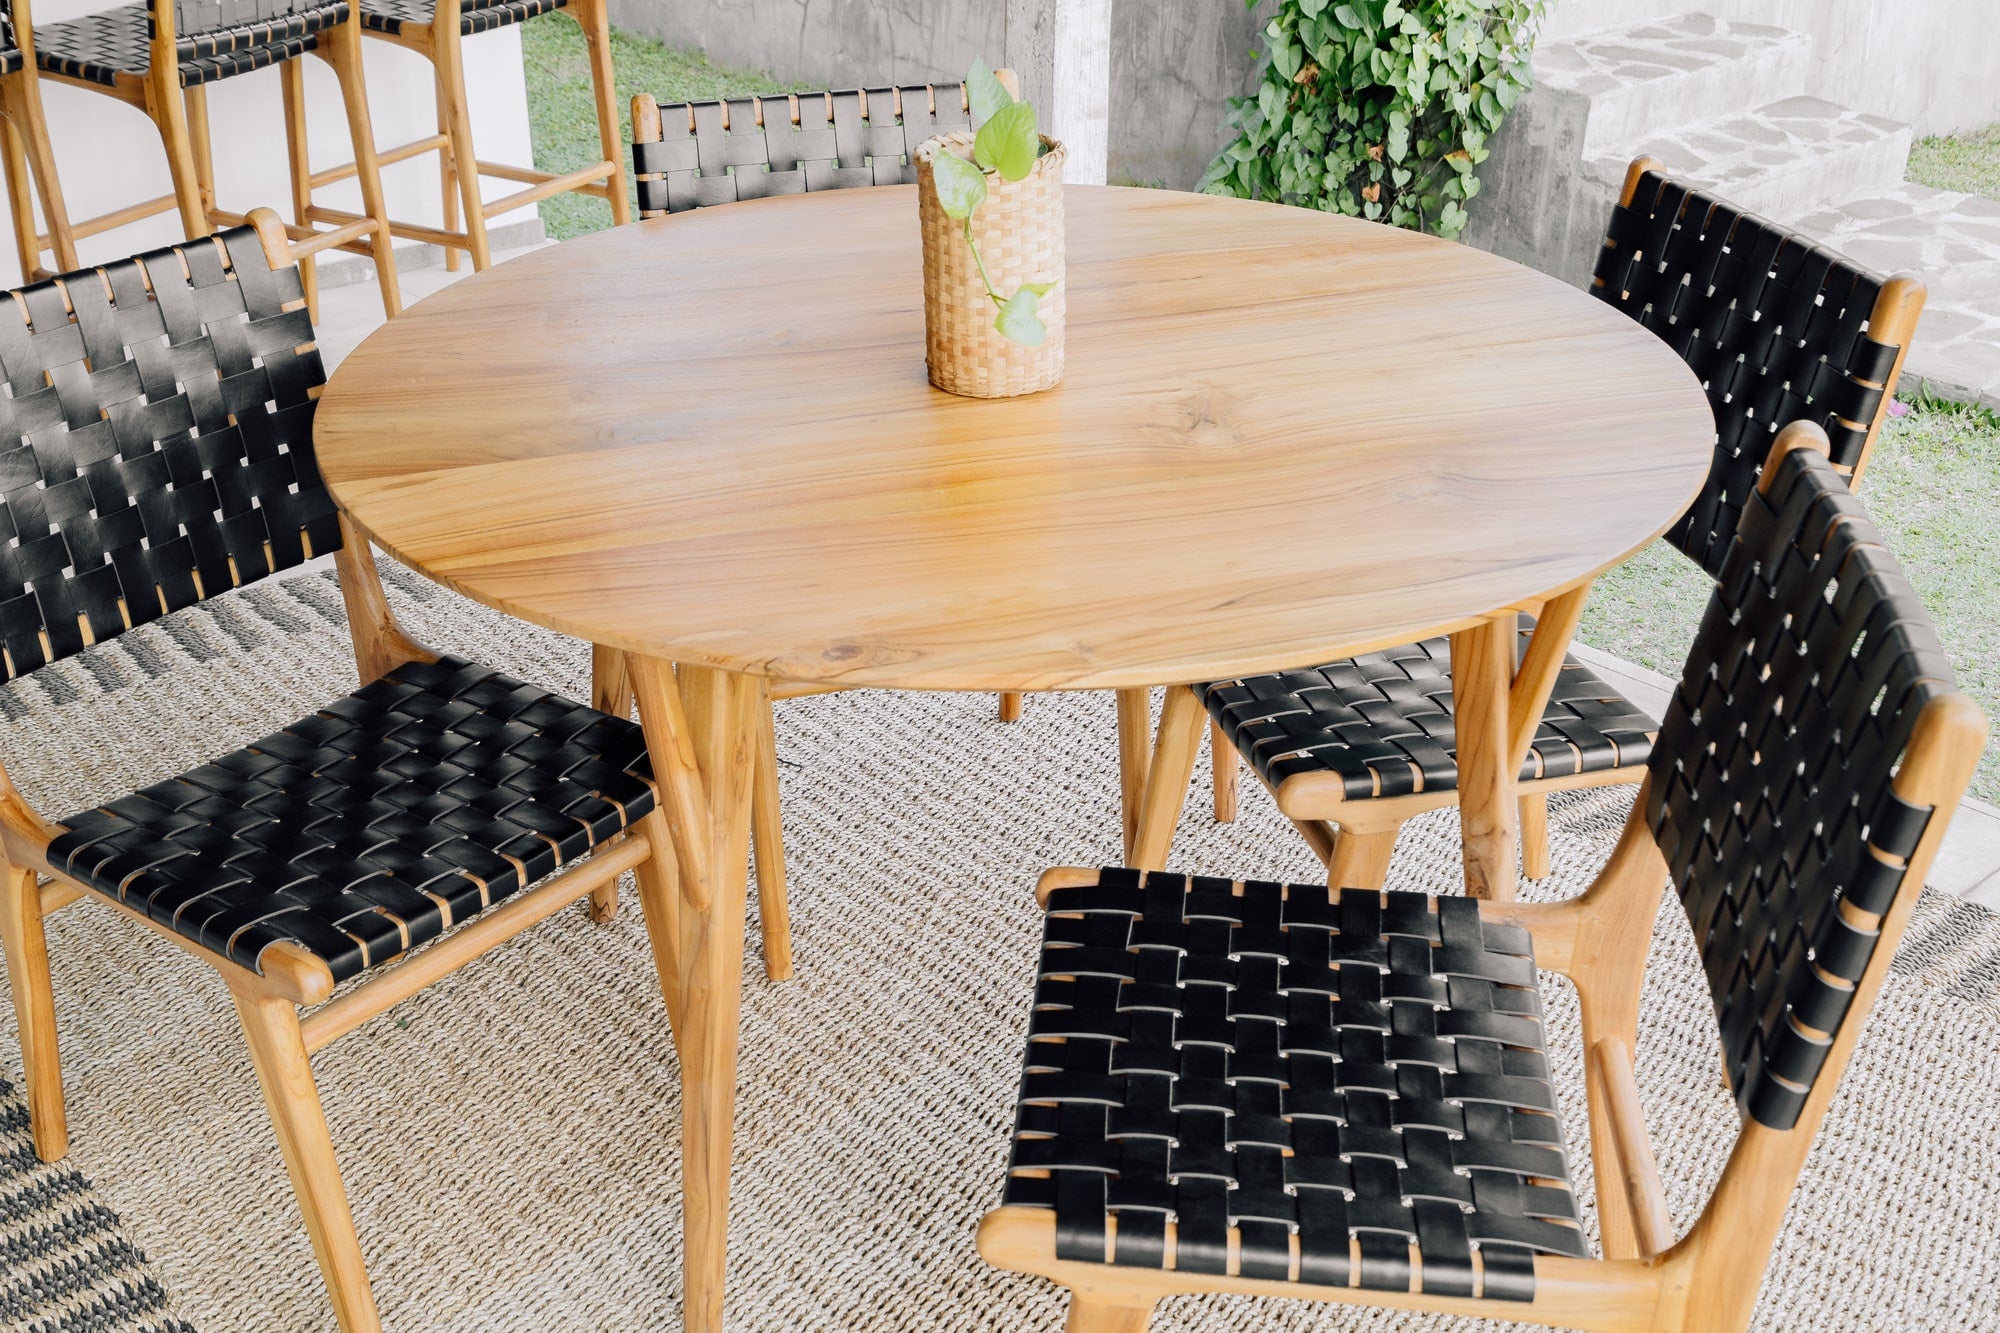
x: 1378, y: 108
x: 1007, y: 144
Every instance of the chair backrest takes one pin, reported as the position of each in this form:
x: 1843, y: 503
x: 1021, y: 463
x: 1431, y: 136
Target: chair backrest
x: 691, y: 154
x: 155, y: 444
x: 1778, y: 329
x: 1770, y: 791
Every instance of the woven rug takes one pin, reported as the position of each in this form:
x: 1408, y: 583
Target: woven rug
x: 510, y: 1138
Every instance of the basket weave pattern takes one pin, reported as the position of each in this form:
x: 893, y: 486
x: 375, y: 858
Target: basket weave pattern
x: 1020, y: 234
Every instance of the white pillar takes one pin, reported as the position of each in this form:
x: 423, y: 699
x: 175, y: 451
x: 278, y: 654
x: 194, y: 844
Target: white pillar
x: 1062, y: 51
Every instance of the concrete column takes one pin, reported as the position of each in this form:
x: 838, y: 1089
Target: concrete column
x: 1062, y: 51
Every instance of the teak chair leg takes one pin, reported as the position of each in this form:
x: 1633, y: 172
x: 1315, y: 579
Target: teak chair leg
x: 34, y: 1008
x: 292, y: 82
x: 593, y: 18
x: 767, y: 839
x: 27, y: 234
x: 447, y: 60
x: 1361, y: 860
x: 447, y: 177
x: 1010, y: 706
x: 340, y: 47
x: 1088, y: 1315
x: 169, y: 112
x: 610, y: 692
x: 1223, y: 764
x: 196, y: 100
x: 278, y: 1049
x: 1535, y: 835
x: 21, y: 103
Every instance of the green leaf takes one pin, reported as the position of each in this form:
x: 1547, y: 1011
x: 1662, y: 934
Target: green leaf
x: 1008, y: 142
x: 988, y: 94
x: 1311, y: 8
x: 1348, y: 18
x: 961, y: 187
x: 1019, y: 319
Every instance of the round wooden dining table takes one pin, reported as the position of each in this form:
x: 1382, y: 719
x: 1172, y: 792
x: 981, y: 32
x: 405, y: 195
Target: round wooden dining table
x: 1284, y: 438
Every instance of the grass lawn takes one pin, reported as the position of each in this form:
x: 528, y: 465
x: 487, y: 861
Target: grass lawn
x: 1968, y: 162
x: 1934, y: 488
x: 560, y: 110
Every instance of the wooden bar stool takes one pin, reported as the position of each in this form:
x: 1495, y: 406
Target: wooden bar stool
x: 160, y: 56
x: 436, y: 30
x: 26, y: 149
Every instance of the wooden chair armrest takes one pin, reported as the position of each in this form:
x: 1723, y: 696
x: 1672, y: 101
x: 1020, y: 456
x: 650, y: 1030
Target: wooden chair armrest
x: 1625, y: 1161
x: 1554, y: 927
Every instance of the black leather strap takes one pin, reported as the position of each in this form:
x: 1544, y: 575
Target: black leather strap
x: 1770, y: 791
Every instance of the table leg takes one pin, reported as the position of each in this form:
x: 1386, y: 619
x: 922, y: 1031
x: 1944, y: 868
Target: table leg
x: 702, y: 733
x: 1182, y: 720
x: 1135, y: 722
x: 1482, y: 674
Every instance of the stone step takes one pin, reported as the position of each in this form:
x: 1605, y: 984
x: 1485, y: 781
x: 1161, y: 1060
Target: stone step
x: 1952, y: 241
x: 1634, y: 82
x: 1572, y: 18
x: 1783, y: 160
x: 1546, y: 205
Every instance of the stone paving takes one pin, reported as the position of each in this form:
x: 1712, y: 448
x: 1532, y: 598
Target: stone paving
x: 1602, y: 62
x: 1953, y: 241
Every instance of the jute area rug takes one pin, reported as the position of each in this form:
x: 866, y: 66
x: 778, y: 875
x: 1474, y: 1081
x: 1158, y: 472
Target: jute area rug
x: 510, y: 1138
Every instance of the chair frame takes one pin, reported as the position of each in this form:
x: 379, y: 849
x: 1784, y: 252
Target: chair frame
x: 26, y: 151
x: 441, y: 43
x: 1647, y: 1280
x: 181, y: 116
x: 269, y: 1001
x: 1357, y: 838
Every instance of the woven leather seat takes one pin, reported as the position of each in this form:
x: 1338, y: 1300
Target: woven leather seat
x: 1291, y: 1060
x: 1291, y: 1090
x: 156, y: 450
x: 477, y: 16
x: 99, y: 47
x: 375, y: 824
x: 1382, y: 722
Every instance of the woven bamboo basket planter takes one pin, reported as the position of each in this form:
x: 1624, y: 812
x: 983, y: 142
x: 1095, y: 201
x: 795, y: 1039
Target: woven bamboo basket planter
x: 1019, y: 229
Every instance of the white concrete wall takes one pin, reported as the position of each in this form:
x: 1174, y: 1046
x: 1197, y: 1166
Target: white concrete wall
x: 108, y: 155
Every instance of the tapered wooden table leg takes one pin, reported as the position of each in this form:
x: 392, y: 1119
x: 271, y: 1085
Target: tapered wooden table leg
x: 702, y: 733
x: 1482, y: 673
x: 1135, y: 753
x: 1182, y: 720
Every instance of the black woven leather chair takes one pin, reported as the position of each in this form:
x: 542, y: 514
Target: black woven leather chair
x: 688, y: 155
x: 1779, y: 330
x: 1342, y: 1094
x: 25, y: 152
x: 157, y: 450
x: 436, y: 30
x: 159, y: 56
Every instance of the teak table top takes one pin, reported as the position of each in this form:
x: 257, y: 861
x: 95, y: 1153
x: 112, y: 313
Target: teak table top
x: 1285, y: 437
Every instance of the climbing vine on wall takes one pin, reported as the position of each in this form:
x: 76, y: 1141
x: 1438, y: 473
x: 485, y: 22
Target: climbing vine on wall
x: 1378, y: 108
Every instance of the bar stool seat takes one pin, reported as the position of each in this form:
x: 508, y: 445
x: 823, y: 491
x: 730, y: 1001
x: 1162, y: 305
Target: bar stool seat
x: 391, y: 16
x: 99, y: 47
